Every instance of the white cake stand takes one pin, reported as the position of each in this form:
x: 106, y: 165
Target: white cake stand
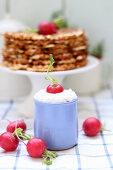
x: 38, y: 82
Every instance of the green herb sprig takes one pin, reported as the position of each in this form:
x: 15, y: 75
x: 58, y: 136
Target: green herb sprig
x: 98, y: 50
x: 53, y: 80
x: 59, y: 19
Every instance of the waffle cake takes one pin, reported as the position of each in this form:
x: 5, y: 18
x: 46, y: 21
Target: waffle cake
x: 30, y: 51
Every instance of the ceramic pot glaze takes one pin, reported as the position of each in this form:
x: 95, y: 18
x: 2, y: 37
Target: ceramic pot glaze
x: 56, y: 124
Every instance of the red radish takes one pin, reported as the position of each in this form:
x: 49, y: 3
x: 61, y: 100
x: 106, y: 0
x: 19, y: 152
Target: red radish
x: 8, y: 141
x: 36, y: 147
x: 46, y: 28
x: 16, y: 124
x: 91, y: 126
x: 54, y: 88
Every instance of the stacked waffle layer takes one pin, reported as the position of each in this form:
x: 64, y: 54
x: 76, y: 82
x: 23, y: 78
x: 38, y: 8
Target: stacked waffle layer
x: 30, y: 51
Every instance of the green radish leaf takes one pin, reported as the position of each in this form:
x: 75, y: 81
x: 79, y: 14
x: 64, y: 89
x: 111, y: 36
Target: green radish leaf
x: 51, y: 61
x: 53, y: 80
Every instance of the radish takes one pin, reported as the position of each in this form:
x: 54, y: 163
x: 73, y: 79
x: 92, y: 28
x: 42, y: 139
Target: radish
x: 46, y: 28
x: 54, y: 87
x: 36, y: 148
x: 16, y: 124
x: 8, y: 141
x: 91, y: 126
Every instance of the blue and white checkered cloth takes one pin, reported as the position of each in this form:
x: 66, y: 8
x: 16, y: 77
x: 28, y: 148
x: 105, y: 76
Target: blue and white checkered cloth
x: 91, y: 153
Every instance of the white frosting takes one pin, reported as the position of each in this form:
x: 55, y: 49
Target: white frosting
x: 65, y: 96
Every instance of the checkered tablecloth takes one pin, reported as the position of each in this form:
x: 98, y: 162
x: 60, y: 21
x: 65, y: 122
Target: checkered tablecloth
x: 93, y: 153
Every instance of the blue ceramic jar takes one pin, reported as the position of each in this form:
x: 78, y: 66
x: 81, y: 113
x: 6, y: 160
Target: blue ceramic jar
x: 56, y: 124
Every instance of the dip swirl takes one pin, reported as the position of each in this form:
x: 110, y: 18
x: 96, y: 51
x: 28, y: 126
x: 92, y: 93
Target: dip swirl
x: 65, y: 96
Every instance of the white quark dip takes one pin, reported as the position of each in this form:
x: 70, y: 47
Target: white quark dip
x: 65, y: 96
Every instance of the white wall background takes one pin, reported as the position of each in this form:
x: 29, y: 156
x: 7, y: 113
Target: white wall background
x: 95, y: 16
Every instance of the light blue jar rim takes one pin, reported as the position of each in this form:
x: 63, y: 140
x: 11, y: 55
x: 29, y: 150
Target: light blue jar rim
x: 63, y: 103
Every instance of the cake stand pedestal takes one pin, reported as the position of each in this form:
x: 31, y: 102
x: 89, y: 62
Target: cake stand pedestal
x: 38, y: 82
